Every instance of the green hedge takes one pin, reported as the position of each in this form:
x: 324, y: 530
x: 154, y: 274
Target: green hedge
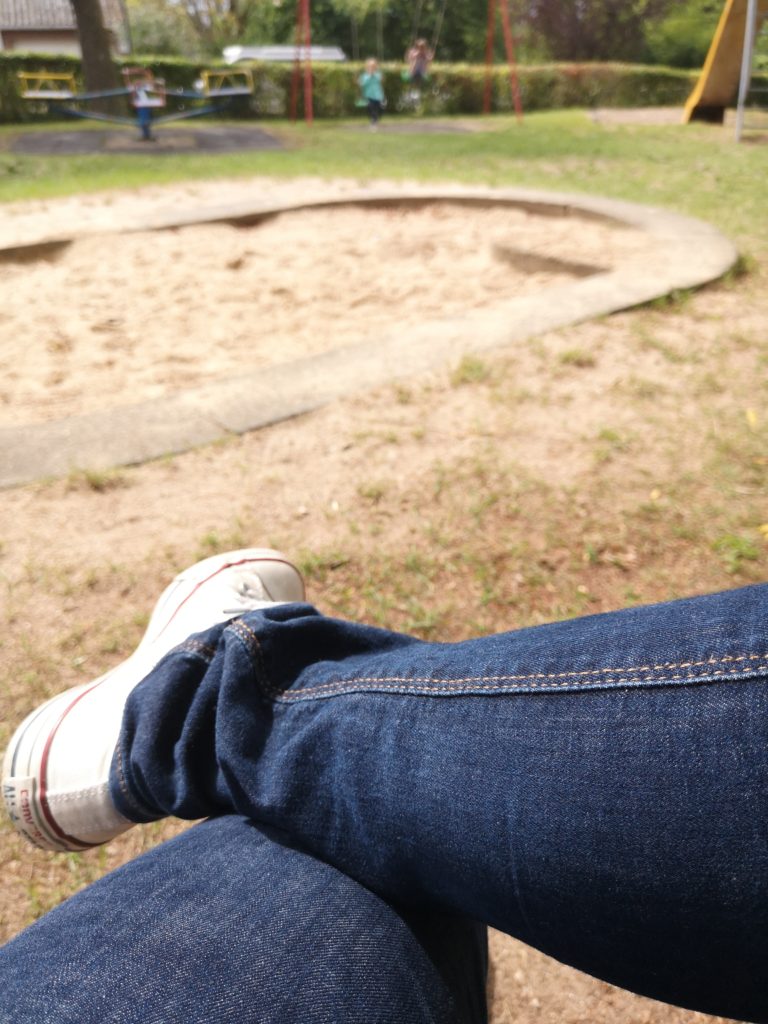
x: 12, y: 106
x: 452, y: 88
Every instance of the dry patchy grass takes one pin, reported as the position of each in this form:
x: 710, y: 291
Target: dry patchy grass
x: 618, y: 462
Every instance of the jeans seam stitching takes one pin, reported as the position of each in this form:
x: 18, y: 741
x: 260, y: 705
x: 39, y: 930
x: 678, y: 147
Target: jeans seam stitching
x: 193, y: 646
x: 538, y: 681
x: 255, y: 652
x: 189, y: 646
x: 125, y: 791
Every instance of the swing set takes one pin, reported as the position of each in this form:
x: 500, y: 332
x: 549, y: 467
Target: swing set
x: 302, y: 65
x: 502, y: 6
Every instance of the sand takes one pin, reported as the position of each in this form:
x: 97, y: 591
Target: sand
x: 121, y: 318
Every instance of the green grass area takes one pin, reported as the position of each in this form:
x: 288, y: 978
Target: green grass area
x: 695, y: 169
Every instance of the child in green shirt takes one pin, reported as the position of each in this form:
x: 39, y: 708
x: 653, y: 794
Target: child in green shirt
x: 372, y: 90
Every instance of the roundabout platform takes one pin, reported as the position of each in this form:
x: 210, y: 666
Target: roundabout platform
x: 209, y: 139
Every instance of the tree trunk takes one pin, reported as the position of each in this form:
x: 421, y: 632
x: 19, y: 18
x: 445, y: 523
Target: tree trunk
x: 99, y: 70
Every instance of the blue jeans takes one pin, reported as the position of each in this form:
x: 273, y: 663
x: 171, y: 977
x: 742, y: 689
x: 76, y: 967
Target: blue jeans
x: 231, y: 923
x: 144, y: 121
x: 597, y: 788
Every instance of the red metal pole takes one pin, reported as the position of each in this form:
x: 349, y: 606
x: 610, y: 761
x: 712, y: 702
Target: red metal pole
x: 308, y: 106
x: 510, y: 48
x: 489, y: 39
x: 296, y: 60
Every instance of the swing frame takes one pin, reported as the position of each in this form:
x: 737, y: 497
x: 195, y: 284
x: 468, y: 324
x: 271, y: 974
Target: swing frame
x: 302, y: 63
x: 502, y: 6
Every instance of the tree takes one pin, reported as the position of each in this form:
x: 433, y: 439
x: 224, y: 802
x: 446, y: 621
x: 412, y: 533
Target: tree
x: 218, y: 23
x: 162, y: 29
x: 358, y: 11
x: 682, y: 38
x: 595, y: 29
x: 543, y: 29
x: 99, y: 70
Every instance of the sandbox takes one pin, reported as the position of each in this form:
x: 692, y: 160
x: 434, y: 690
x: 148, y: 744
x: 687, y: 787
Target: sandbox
x: 108, y: 321
x: 118, y: 347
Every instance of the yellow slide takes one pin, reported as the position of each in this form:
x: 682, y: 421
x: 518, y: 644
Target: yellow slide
x: 719, y: 79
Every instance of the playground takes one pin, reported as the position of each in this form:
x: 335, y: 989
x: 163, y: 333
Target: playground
x: 621, y: 460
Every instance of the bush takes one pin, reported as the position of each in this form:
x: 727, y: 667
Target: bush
x: 451, y: 89
x: 12, y: 106
x: 682, y: 39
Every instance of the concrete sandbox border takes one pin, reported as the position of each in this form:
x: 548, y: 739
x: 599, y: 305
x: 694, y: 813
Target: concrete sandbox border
x: 687, y: 253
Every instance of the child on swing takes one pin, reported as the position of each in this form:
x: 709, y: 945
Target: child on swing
x: 372, y: 90
x: 419, y: 57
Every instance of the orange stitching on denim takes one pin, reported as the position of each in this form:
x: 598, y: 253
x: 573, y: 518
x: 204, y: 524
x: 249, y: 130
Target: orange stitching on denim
x: 245, y: 632
x: 510, y: 683
x: 252, y: 643
x: 194, y: 646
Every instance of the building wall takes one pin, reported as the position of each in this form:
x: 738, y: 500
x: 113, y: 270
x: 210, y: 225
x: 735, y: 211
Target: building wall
x: 41, y: 42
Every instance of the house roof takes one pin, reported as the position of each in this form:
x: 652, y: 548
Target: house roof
x: 48, y: 15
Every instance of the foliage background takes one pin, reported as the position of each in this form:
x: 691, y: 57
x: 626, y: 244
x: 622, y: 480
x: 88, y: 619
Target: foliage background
x: 675, y: 32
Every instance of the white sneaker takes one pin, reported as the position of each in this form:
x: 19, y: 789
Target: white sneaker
x: 56, y: 768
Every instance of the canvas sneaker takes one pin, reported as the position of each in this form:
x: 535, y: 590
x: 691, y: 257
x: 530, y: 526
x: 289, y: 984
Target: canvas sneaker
x: 56, y: 769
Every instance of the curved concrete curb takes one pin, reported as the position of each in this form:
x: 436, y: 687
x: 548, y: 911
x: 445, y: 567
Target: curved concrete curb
x: 689, y: 254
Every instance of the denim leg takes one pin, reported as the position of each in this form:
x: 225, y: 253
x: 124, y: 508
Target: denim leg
x: 597, y: 788
x: 232, y: 924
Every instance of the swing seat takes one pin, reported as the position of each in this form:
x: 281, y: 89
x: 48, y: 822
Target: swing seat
x: 227, y: 83
x: 44, y: 86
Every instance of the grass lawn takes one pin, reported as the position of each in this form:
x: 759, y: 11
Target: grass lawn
x: 697, y: 169
x: 617, y: 462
